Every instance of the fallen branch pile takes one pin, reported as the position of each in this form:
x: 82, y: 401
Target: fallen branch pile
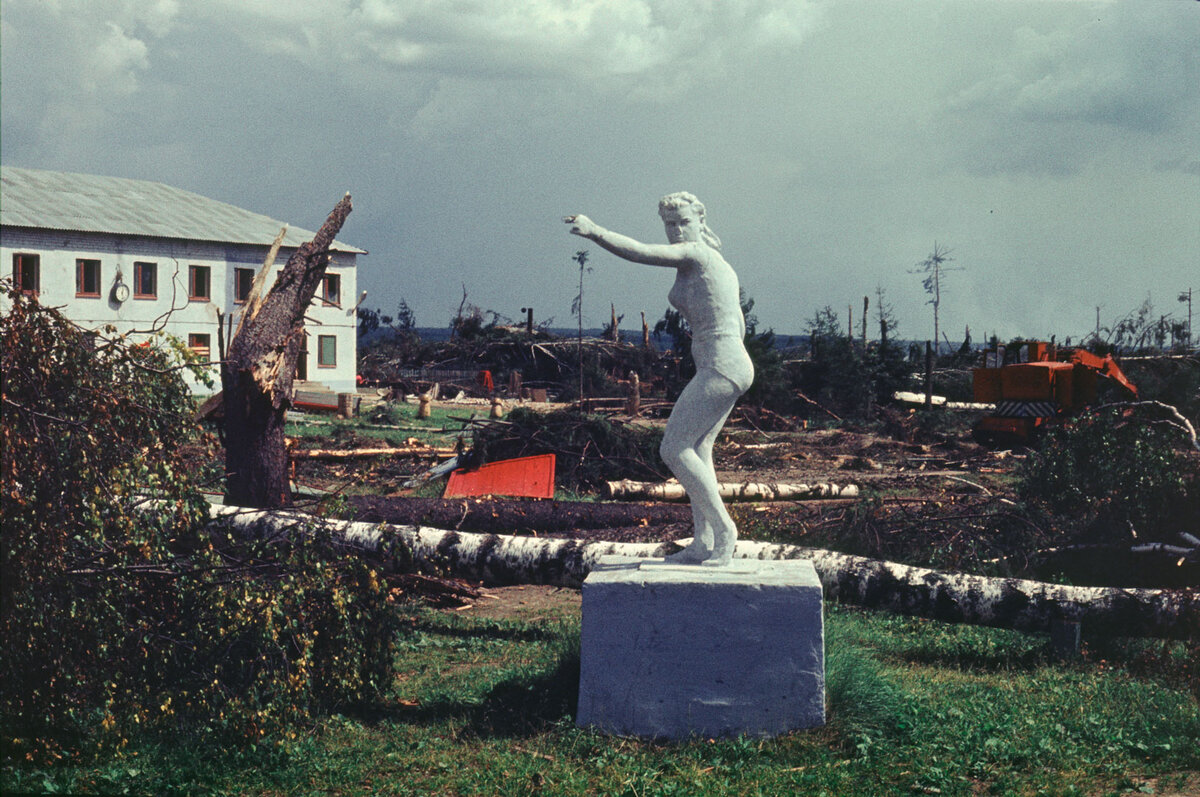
x: 590, y: 449
x: 508, y: 516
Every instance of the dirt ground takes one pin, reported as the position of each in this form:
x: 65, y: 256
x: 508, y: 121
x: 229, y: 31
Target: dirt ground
x: 530, y: 602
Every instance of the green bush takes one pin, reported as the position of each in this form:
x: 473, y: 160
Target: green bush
x: 1173, y: 381
x: 1109, y: 472
x: 120, y: 610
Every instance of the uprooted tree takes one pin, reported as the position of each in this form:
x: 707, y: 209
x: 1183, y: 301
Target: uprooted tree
x: 260, y: 366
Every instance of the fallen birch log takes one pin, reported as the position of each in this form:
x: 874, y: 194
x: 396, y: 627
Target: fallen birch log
x: 743, y: 491
x: 950, y: 597
x: 907, y: 397
x: 361, y: 453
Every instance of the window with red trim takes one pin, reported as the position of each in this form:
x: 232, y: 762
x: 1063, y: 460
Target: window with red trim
x: 87, y: 278
x: 331, y: 289
x: 201, y: 345
x: 243, y: 279
x: 145, y: 280
x: 27, y: 273
x: 199, y: 283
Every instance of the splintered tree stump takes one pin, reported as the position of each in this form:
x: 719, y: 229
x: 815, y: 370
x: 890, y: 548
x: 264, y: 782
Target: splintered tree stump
x: 260, y: 366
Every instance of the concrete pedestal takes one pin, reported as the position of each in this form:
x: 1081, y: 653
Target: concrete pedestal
x: 672, y: 651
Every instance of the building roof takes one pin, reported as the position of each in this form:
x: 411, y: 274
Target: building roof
x: 117, y: 205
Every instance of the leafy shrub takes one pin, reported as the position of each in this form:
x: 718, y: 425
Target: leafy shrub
x: 1107, y: 473
x: 1173, y: 381
x: 119, y: 612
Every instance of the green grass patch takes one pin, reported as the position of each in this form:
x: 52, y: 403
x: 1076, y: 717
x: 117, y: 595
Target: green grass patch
x: 916, y: 707
x: 442, y: 428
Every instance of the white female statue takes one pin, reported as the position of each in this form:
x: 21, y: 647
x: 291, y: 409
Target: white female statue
x: 706, y: 294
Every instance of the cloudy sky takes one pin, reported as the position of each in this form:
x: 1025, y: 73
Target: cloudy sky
x: 1052, y: 146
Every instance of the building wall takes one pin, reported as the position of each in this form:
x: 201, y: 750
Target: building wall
x: 171, y: 309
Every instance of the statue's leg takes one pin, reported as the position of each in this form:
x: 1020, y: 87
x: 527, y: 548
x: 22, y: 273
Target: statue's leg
x: 705, y: 448
x: 691, y: 430
x: 724, y: 535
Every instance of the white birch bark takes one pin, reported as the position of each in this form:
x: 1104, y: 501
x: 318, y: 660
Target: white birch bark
x: 856, y: 580
x: 737, y: 491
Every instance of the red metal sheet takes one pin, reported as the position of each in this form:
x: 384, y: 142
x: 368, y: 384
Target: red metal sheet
x: 531, y: 477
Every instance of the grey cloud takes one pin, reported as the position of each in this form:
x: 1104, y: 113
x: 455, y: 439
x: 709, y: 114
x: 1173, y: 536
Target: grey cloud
x: 85, y: 60
x: 1186, y: 165
x: 821, y: 137
x: 589, y: 39
x: 1128, y: 69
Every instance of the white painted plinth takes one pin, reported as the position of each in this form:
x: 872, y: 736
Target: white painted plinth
x: 672, y: 651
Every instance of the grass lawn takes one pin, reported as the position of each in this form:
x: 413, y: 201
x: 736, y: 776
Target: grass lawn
x: 442, y: 427
x: 485, y: 706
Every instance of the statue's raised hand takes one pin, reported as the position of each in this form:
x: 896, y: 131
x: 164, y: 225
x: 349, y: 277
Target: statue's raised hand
x: 581, y: 225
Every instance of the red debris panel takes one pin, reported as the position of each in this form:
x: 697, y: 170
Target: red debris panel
x: 531, y: 477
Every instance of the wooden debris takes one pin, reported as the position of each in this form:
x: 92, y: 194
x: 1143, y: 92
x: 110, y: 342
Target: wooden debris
x: 745, y: 491
x: 440, y: 592
x: 415, y: 450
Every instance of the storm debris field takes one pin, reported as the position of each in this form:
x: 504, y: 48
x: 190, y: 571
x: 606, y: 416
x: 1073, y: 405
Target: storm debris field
x: 941, y: 501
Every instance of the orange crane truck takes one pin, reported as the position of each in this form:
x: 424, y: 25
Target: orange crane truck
x: 1048, y: 383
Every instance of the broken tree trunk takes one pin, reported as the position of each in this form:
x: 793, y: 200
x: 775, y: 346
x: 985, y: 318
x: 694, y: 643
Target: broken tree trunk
x: 743, y: 491
x: 259, y: 367
x: 951, y: 597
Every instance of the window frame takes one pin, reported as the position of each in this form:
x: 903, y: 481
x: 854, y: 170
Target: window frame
x: 322, y: 342
x: 194, y: 345
x: 20, y: 263
x: 193, y: 271
x: 81, y: 265
x: 140, y: 269
x: 331, y: 298
x: 237, y: 272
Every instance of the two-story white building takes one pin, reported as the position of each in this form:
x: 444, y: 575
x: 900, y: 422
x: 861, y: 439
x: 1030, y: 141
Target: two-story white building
x: 142, y: 255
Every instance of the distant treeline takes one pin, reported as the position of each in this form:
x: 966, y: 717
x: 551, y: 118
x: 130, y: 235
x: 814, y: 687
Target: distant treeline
x: 633, y: 335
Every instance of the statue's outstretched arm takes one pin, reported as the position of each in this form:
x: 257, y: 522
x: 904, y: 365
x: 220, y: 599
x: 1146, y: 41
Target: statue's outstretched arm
x: 668, y: 255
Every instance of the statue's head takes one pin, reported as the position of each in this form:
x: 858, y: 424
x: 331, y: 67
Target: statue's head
x: 683, y: 216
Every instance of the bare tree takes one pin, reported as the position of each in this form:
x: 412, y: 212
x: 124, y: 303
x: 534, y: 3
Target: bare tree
x: 260, y: 366
x: 933, y: 267
x: 581, y: 257
x: 1186, y: 298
